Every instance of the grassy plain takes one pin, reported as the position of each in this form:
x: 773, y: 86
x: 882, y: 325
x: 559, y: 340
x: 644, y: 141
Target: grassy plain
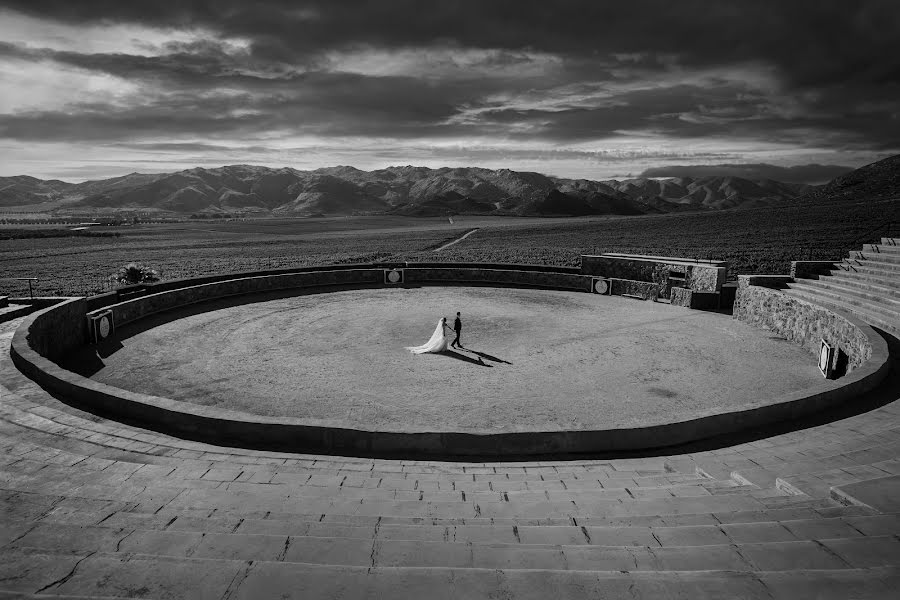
x: 753, y: 241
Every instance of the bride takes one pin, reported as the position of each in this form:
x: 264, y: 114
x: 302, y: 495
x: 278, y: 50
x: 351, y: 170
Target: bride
x: 438, y: 341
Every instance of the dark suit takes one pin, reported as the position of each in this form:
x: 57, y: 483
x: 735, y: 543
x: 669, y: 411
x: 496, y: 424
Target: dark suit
x: 457, y: 327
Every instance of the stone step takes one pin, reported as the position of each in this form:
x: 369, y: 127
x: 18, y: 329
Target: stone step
x: 143, y: 444
x: 887, y: 262
x: 873, y: 318
x: 857, y: 285
x: 128, y: 482
x: 883, y: 306
x: 851, y: 524
x: 259, y: 502
x: 890, y: 241
x: 864, y: 278
x: 867, y: 267
x: 680, y: 548
x: 888, y: 259
x: 882, y: 249
x: 153, y: 506
x: 146, y: 448
x: 79, y: 468
x: 106, y: 574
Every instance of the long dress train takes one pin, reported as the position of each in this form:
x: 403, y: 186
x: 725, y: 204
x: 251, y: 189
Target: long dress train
x: 437, y: 343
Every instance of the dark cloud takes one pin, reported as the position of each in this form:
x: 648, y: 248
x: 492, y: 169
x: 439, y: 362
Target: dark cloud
x: 811, y: 41
x: 813, y: 174
x: 831, y: 71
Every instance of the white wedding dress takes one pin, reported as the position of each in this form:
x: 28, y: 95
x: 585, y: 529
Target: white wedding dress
x: 437, y: 343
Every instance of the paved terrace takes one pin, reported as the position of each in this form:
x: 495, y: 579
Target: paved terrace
x: 93, y: 508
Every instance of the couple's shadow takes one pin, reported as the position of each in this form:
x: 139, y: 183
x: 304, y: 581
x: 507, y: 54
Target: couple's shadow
x: 475, y: 361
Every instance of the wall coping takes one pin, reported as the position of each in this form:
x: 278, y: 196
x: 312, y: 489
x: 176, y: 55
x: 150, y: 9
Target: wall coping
x: 663, y: 259
x: 201, y: 423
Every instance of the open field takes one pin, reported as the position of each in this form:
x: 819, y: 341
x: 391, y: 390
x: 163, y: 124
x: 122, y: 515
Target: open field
x: 753, y: 241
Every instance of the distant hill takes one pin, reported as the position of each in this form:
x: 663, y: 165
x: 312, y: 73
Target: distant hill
x: 22, y: 189
x: 875, y: 181
x: 407, y: 190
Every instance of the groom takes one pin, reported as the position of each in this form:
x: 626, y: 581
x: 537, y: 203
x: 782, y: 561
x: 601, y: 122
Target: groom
x: 457, y: 327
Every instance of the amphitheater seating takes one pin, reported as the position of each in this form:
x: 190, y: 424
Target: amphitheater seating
x: 95, y: 508
x: 866, y: 283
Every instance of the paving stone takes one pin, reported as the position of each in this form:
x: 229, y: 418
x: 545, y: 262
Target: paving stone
x: 817, y: 529
x: 703, y: 535
x: 271, y: 580
x: 621, y: 536
x: 273, y: 527
x: 157, y: 577
x: 57, y: 538
x: 423, y: 554
x: 330, y: 529
x: 205, y: 525
x: 744, y: 533
x: 29, y: 571
x: 882, y: 494
x: 164, y: 543
x: 516, y: 557
x: 789, y: 556
x: 699, y: 558
x: 875, y: 524
x: 868, y: 584
x: 551, y: 535
x: 337, y: 551
x: 241, y: 547
x: 882, y: 551
x: 601, y: 558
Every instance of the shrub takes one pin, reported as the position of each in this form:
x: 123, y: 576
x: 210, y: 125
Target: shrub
x: 134, y: 273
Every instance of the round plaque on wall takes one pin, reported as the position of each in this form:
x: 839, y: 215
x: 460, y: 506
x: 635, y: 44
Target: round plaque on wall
x: 104, y: 326
x: 394, y: 276
x: 601, y: 286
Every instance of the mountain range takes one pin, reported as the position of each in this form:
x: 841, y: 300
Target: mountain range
x: 406, y: 190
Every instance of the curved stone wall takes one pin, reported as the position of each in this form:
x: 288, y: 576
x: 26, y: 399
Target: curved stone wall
x: 803, y: 322
x: 48, y: 334
x: 142, y: 306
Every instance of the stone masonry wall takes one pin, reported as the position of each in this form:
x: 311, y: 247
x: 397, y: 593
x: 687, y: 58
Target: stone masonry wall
x: 644, y: 289
x: 697, y: 277
x: 801, y: 322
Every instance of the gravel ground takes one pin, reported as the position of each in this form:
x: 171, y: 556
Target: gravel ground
x: 533, y: 359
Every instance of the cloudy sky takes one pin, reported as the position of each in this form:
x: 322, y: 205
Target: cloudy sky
x: 591, y: 89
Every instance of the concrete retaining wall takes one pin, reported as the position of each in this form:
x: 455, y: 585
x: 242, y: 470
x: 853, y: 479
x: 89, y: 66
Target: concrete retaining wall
x: 139, y: 307
x: 142, y: 305
x: 557, y: 281
x: 47, y: 334
x: 803, y: 322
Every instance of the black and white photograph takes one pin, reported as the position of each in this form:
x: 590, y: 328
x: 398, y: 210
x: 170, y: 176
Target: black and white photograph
x: 467, y: 299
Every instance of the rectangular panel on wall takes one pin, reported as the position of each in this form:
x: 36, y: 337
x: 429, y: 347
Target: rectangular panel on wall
x: 826, y: 360
x: 101, y: 325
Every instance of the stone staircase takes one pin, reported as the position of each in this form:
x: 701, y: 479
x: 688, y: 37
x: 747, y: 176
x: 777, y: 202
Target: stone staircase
x: 866, y: 284
x: 96, y: 508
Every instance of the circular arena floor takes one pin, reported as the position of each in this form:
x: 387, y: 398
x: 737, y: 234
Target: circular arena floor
x: 533, y: 358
